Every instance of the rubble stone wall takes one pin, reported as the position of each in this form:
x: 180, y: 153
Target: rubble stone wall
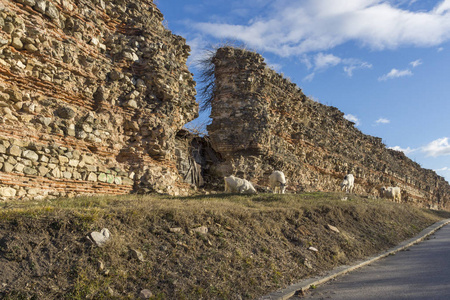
x: 262, y: 122
x: 92, y: 95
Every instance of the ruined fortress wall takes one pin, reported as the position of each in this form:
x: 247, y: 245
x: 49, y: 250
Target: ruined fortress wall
x: 92, y: 94
x: 261, y: 122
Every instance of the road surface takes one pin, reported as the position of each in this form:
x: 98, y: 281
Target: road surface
x: 420, y: 272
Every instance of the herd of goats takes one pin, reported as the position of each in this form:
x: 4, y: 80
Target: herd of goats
x: 277, y: 183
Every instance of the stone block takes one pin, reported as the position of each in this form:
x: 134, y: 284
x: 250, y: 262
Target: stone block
x: 92, y: 168
x: 51, y: 11
x: 89, y: 160
x: 33, y: 191
x: 43, y: 170
x: 17, y: 43
x: 7, y: 192
x: 76, y: 175
x: 56, y: 172
x: 4, y: 98
x: 73, y: 162
x: 63, y: 159
x: 19, y: 167
x: 44, y: 159
x: 28, y: 2
x: 92, y: 177
x: 102, y: 177
x: 7, y: 167
x: 65, y: 112
x: 11, y: 160
x: 110, y: 178
x: 30, y: 171
x: 14, y: 150
x: 31, y: 155
x: 40, y: 6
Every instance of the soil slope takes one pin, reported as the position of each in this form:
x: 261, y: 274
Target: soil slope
x: 203, y: 247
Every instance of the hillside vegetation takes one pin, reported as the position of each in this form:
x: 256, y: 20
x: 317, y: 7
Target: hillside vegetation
x: 253, y: 244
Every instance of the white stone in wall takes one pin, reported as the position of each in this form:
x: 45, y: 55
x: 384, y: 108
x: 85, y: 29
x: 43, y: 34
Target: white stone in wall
x: 7, y: 192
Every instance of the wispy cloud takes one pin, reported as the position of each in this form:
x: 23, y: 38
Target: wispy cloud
x: 353, y: 119
x: 382, y: 121
x: 322, y: 61
x: 407, y: 150
x: 436, y: 148
x: 297, y: 27
x: 440, y: 49
x: 439, y: 147
x: 416, y: 63
x: 309, y: 77
x: 443, y: 169
x: 394, y: 73
x: 354, y: 65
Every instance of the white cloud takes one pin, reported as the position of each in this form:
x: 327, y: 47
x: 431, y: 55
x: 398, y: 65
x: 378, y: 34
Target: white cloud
x: 198, y: 46
x: 306, y: 60
x: 354, y: 65
x: 439, y: 147
x: 353, y: 119
x: 443, y: 7
x: 440, y: 49
x: 323, y: 61
x: 296, y: 27
x: 443, y: 169
x: 309, y: 77
x: 394, y: 73
x: 404, y: 150
x: 416, y: 63
x: 382, y: 121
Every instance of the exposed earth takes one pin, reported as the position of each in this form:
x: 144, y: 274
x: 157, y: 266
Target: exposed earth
x: 201, y: 247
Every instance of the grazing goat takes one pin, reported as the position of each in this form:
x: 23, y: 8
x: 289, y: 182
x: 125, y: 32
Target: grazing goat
x: 391, y: 193
x: 238, y: 185
x: 348, y: 183
x: 277, y: 182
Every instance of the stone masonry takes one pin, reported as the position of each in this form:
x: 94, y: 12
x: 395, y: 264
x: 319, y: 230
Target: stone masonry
x: 262, y: 122
x: 92, y: 95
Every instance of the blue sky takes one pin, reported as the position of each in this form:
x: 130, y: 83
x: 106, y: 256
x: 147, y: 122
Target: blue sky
x: 385, y: 64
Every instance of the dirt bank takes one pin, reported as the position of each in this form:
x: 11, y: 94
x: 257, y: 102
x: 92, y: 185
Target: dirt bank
x: 203, y: 247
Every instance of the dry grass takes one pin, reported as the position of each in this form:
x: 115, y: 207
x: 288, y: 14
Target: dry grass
x: 254, y: 245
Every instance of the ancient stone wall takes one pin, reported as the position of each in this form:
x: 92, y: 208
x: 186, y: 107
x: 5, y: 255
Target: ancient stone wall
x: 92, y: 95
x: 261, y: 122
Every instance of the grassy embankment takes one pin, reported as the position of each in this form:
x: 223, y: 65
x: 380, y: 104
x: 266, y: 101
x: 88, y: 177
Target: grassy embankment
x: 254, y: 244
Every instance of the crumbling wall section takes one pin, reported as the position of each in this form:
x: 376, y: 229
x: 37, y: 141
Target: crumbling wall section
x: 262, y: 122
x: 92, y: 95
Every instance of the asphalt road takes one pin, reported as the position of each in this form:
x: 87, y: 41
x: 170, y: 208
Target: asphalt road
x: 420, y: 272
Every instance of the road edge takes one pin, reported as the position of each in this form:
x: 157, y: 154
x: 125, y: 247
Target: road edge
x: 304, y: 285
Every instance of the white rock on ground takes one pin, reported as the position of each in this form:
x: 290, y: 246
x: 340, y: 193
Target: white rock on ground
x: 100, y: 238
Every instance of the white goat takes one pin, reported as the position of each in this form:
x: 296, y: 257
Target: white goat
x: 238, y: 185
x: 277, y: 182
x: 348, y: 183
x: 391, y: 193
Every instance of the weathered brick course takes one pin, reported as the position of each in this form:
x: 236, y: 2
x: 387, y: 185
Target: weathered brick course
x: 89, y: 90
